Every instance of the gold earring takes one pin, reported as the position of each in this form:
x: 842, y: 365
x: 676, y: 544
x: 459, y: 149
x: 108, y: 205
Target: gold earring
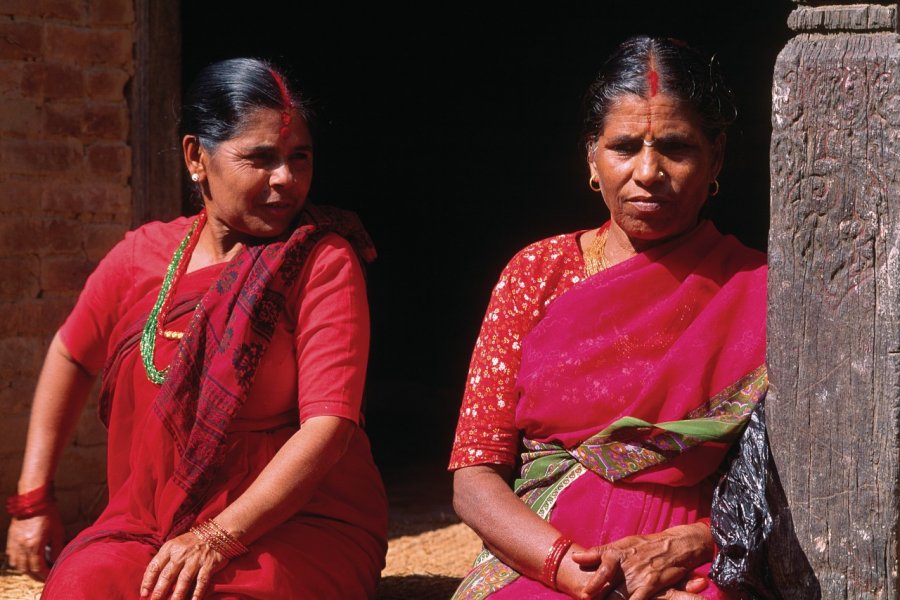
x: 715, y: 188
x: 593, y: 184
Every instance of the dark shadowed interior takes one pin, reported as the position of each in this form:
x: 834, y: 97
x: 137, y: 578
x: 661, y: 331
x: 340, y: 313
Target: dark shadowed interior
x: 456, y: 135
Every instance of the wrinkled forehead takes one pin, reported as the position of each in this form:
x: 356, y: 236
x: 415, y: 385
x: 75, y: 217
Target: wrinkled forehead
x: 650, y: 115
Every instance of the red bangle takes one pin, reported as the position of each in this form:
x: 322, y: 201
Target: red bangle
x: 554, y: 558
x: 218, y: 539
x: 39, y: 501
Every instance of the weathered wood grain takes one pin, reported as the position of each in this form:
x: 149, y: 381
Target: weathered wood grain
x: 865, y: 17
x: 834, y: 309
x: 155, y: 99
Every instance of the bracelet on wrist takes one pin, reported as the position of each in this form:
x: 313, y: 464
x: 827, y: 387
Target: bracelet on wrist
x: 218, y: 539
x: 553, y: 560
x: 39, y: 501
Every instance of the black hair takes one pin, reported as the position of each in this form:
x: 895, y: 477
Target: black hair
x: 681, y: 72
x: 223, y: 95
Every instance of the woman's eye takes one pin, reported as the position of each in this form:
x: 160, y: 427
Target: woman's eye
x: 675, y: 147
x: 300, y: 156
x: 626, y: 148
x: 260, y: 160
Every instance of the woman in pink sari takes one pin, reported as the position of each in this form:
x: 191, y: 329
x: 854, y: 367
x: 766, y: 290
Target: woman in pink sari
x: 625, y: 359
x: 233, y: 346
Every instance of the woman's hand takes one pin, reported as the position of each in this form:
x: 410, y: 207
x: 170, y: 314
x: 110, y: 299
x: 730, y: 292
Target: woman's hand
x: 638, y: 567
x: 183, y: 563
x: 27, y: 539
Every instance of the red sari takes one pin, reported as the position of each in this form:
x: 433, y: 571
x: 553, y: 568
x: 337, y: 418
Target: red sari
x: 276, y: 336
x: 673, y: 335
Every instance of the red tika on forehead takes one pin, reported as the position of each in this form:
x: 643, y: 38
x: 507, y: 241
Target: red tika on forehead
x: 653, y: 80
x: 286, y: 99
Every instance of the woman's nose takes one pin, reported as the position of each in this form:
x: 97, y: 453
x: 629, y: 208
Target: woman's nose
x: 281, y: 175
x: 647, y: 169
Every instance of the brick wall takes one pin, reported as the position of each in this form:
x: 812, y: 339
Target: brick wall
x: 65, y: 200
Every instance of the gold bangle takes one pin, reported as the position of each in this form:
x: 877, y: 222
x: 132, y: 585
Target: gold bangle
x: 218, y: 539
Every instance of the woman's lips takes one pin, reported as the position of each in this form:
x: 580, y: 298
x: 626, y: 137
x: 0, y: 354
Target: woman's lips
x: 648, y: 204
x: 278, y: 208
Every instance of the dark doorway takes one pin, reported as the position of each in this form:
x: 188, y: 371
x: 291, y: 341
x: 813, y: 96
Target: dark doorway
x: 456, y: 137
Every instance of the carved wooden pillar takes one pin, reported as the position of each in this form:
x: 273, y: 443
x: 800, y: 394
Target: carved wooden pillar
x: 834, y: 299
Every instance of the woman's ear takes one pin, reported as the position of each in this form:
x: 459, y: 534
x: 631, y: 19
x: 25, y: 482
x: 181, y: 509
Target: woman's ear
x: 193, y: 157
x: 718, y: 154
x: 592, y: 164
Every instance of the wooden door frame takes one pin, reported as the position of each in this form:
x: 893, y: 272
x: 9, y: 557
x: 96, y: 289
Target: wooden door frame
x: 155, y: 100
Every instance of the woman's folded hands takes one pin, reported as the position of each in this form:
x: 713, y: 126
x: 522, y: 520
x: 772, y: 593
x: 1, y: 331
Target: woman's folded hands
x: 642, y: 567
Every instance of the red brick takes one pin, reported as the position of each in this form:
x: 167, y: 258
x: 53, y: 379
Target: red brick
x: 67, y: 498
x: 20, y: 356
x: 111, y: 12
x: 106, y: 121
x: 10, y: 466
x: 11, y: 78
x: 64, y: 273
x: 19, y: 280
x: 53, y: 81
x: 81, y: 465
x: 16, y: 394
x: 89, y: 47
x: 63, y: 236
x: 42, y: 317
x: 101, y: 238
x: 63, y: 119
x: 21, y: 195
x: 20, y: 316
x: 70, y: 10
x: 13, y: 429
x: 90, y: 430
x: 110, y: 159
x: 21, y: 235
x: 105, y: 84
x: 66, y: 199
x: 54, y: 310
x: 39, y: 157
x: 20, y: 8
x: 19, y: 117
x: 28, y: 235
x: 20, y: 40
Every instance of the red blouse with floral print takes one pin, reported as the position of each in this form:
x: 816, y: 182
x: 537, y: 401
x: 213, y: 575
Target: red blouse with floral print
x: 533, y: 279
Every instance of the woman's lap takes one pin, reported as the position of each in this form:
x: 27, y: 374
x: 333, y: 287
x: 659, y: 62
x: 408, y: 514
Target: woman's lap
x: 299, y: 560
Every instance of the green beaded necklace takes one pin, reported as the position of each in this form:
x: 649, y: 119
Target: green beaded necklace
x: 161, y: 309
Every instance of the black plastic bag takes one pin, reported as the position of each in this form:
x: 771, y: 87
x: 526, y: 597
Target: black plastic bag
x: 741, y: 520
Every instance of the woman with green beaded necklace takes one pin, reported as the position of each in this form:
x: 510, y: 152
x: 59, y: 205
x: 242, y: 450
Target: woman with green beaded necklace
x: 233, y: 347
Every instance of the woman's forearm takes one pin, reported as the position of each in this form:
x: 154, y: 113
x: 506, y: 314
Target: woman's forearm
x: 290, y: 478
x: 61, y: 393
x: 512, y: 531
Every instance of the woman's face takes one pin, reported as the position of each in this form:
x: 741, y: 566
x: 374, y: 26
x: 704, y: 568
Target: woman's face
x: 255, y: 183
x: 654, y: 165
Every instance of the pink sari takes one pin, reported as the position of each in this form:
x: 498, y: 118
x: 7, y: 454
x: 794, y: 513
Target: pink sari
x: 631, y: 389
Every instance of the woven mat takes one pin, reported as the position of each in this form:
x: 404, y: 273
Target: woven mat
x: 19, y: 587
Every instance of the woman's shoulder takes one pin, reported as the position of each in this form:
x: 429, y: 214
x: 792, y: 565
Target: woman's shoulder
x: 160, y: 233
x: 559, y: 252
x: 541, y: 271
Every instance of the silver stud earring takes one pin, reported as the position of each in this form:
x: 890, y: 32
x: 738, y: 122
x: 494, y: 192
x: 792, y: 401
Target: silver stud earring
x: 195, y: 178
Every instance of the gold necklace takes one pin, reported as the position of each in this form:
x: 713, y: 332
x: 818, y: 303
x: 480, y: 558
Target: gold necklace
x: 595, y: 255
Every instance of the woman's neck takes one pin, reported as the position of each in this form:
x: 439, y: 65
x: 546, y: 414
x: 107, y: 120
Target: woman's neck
x: 216, y: 245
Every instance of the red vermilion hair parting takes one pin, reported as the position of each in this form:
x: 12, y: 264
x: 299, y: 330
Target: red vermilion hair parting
x: 286, y: 99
